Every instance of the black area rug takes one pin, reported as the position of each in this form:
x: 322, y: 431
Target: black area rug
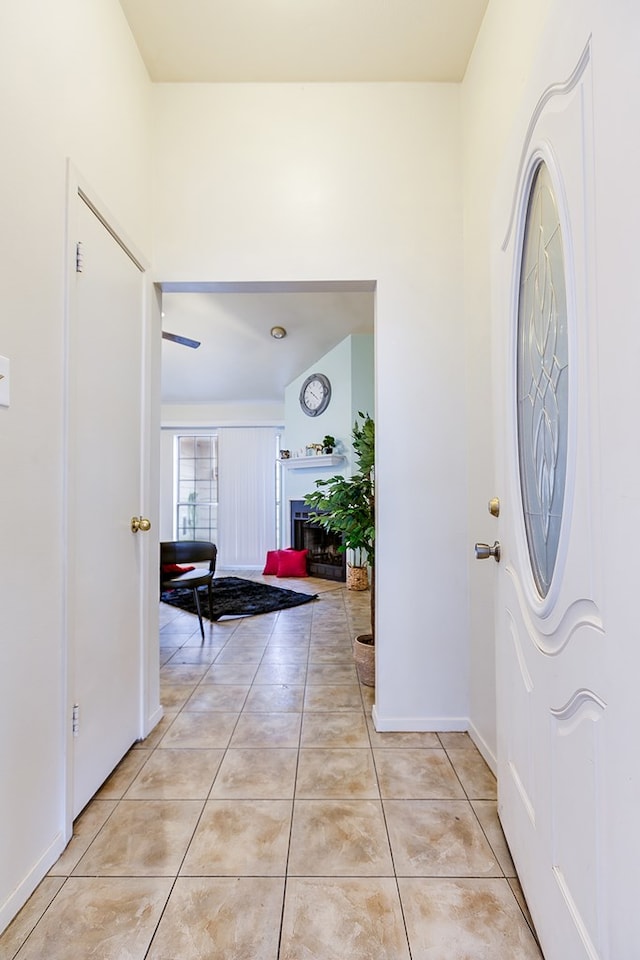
x: 234, y: 597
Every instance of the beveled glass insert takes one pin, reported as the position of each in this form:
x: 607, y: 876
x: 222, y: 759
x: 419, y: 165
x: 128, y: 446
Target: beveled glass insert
x: 542, y: 379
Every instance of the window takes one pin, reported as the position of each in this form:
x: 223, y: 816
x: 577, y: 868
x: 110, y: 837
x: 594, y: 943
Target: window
x: 196, y: 476
x: 542, y: 379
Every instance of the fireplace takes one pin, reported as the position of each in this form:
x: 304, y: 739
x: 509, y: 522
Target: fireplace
x: 323, y: 558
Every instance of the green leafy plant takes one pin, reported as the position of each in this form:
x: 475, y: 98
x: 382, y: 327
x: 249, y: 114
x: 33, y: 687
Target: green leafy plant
x: 346, y: 505
x: 328, y: 443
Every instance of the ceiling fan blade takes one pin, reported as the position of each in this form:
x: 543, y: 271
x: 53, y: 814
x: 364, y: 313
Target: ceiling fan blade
x: 185, y: 341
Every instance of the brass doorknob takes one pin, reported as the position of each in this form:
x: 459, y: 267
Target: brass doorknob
x: 140, y: 523
x: 484, y: 551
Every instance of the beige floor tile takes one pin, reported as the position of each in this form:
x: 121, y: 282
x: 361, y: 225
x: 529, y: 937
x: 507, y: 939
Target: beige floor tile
x: 456, y: 740
x: 476, y: 777
x: 329, y: 673
x: 283, y: 781
x: 85, y: 828
x: 240, y: 838
x: 334, y: 730
x: 277, y: 653
x: 336, y: 773
x: 220, y: 918
x: 203, y: 730
x: 101, y: 918
x: 196, y: 654
x: 237, y: 674
x: 123, y: 776
x: 153, y: 739
x: 173, y: 696
x: 256, y: 775
x: 276, y: 698
x: 183, y: 672
x: 487, y: 813
x: 398, y: 739
x: 214, y: 638
x: 518, y: 893
x: 330, y: 653
x: 142, y: 838
x: 267, y: 730
x: 279, y: 673
x: 339, y: 838
x: 255, y: 645
x: 21, y: 926
x: 411, y: 774
x: 177, y: 774
x: 343, y: 919
x: 226, y: 698
x: 166, y: 654
x: 465, y: 918
x: 438, y: 838
x: 368, y: 698
x: 332, y: 697
x: 241, y: 653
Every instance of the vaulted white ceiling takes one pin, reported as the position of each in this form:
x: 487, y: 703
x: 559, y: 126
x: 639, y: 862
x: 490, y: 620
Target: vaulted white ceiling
x: 302, y: 41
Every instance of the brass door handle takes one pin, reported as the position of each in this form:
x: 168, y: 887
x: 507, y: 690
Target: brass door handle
x: 484, y: 551
x: 140, y: 523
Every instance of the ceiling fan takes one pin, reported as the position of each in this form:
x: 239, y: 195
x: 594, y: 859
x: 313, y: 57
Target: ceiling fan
x: 184, y: 341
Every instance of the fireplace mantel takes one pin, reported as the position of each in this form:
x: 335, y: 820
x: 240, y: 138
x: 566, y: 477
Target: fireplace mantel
x: 309, y: 463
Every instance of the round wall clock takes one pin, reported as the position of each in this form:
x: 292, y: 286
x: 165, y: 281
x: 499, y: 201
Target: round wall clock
x: 315, y: 394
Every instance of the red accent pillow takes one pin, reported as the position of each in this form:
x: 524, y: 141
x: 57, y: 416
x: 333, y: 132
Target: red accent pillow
x: 293, y: 563
x: 175, y: 568
x: 271, y: 564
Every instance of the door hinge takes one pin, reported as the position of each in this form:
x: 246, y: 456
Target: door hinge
x: 79, y: 257
x: 75, y: 719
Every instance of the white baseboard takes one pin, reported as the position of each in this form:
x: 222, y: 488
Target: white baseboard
x: 418, y: 724
x: 152, y: 721
x: 17, y: 899
x: 483, y: 747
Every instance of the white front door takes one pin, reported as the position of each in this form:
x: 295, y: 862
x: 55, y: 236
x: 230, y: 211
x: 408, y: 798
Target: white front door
x: 105, y: 558
x: 552, y: 685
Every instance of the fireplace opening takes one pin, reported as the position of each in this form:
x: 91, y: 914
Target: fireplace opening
x: 323, y: 558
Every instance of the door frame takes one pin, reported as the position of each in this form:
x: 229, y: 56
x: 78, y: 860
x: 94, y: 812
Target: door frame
x: 149, y: 707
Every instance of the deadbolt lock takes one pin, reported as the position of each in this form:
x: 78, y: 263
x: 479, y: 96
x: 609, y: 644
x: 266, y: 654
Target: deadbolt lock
x: 140, y: 523
x: 494, y: 507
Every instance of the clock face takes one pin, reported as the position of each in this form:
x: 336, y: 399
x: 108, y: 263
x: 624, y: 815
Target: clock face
x: 315, y: 394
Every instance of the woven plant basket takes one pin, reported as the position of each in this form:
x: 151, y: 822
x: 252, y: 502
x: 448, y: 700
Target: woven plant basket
x: 357, y: 578
x: 364, y: 654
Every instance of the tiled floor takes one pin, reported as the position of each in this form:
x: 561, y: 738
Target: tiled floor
x: 265, y: 819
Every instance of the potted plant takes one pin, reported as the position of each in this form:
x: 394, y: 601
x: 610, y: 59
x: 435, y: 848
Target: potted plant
x: 346, y: 505
x: 328, y: 444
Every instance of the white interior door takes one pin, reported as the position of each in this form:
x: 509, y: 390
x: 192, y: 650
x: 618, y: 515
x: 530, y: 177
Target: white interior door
x: 105, y: 556
x: 552, y: 687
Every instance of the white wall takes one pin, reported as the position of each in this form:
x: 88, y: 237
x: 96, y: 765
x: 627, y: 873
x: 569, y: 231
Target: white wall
x: 71, y: 84
x: 490, y: 95
x: 349, y: 367
x: 357, y: 182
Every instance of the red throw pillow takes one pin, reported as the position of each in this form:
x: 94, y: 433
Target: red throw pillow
x: 271, y: 564
x: 293, y: 563
x: 175, y: 568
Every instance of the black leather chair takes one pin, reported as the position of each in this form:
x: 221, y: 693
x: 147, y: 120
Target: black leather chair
x: 187, y: 552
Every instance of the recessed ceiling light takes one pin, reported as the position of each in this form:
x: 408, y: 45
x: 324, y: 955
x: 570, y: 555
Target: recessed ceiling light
x: 278, y: 333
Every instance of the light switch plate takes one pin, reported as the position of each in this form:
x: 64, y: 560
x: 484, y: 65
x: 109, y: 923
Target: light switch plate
x: 5, y: 369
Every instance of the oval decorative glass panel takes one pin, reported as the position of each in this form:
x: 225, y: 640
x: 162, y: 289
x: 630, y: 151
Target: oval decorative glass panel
x: 542, y: 379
